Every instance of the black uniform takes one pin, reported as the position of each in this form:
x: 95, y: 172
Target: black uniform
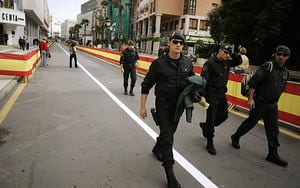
x: 128, y: 58
x: 168, y: 75
x: 216, y: 74
x: 268, y: 85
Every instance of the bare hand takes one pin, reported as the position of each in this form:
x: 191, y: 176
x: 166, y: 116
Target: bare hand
x: 143, y: 113
x: 202, y: 101
x: 251, y: 104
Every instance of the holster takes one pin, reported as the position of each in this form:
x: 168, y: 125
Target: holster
x: 154, y: 116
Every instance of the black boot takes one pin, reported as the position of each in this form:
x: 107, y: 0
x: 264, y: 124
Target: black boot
x: 156, y: 151
x: 210, y: 146
x: 125, y: 92
x: 235, y: 141
x: 131, y: 92
x: 273, y: 157
x: 202, y: 125
x: 172, y: 181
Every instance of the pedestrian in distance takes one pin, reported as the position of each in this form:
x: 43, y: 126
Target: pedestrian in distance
x: 168, y: 73
x: 20, y: 42
x: 44, y: 50
x: 5, y: 38
x: 266, y: 87
x: 122, y: 47
x: 72, y: 50
x: 216, y: 71
x: 128, y: 62
x: 23, y: 43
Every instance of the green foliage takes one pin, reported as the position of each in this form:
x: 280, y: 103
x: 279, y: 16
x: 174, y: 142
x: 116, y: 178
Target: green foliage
x: 204, y: 50
x: 156, y: 39
x: 258, y: 25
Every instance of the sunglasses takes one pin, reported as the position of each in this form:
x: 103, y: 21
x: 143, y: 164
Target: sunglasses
x: 226, y: 52
x: 174, y: 41
x: 282, y: 54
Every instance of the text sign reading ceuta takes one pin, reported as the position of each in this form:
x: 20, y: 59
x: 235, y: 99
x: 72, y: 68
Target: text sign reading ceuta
x: 12, y: 16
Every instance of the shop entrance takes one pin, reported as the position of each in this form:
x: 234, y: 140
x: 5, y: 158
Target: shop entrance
x: 1, y: 34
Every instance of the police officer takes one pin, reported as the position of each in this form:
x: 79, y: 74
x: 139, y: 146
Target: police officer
x: 216, y: 71
x: 128, y: 62
x: 266, y: 87
x: 167, y: 73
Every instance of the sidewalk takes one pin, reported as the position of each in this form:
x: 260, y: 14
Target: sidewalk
x: 7, y: 82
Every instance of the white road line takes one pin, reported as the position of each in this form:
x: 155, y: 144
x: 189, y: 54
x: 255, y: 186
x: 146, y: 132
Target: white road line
x: 200, y: 177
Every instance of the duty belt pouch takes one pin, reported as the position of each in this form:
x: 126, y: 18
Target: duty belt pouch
x: 154, y: 116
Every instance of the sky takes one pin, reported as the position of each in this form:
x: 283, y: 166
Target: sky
x: 62, y: 10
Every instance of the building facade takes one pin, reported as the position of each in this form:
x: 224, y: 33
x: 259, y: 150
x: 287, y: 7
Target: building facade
x: 65, y: 27
x: 23, y: 18
x: 157, y: 19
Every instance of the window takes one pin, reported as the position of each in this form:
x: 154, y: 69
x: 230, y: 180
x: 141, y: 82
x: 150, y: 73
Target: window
x: 182, y: 23
x: 193, y: 24
x: 171, y: 26
x: 152, y: 7
x: 203, y: 25
x: 176, y: 24
x: 189, y: 7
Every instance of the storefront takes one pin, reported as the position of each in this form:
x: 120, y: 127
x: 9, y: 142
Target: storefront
x: 12, y: 24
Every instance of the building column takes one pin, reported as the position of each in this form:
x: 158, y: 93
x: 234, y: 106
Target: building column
x: 138, y: 33
x: 149, y: 34
x: 156, y: 44
x: 186, y: 26
x: 143, y: 44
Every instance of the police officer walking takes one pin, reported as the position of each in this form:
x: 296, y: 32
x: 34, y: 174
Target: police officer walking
x: 128, y: 61
x: 266, y: 86
x: 216, y: 71
x: 168, y: 74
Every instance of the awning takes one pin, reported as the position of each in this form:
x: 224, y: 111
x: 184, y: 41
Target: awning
x: 204, y: 39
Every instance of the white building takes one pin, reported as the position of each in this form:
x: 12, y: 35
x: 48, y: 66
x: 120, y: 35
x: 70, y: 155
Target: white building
x: 65, y: 27
x: 23, y: 18
x: 55, y: 29
x: 85, y: 32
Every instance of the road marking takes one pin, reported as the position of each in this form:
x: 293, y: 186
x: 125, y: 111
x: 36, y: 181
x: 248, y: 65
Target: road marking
x: 4, y: 111
x: 200, y: 177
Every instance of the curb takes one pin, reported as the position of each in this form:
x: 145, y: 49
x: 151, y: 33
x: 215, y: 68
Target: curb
x: 6, y: 85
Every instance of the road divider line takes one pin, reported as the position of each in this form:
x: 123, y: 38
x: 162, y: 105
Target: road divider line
x: 200, y: 177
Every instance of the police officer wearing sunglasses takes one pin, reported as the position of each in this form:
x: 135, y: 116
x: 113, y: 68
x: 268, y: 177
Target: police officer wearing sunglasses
x: 168, y: 74
x: 216, y: 70
x: 266, y: 86
x: 128, y: 62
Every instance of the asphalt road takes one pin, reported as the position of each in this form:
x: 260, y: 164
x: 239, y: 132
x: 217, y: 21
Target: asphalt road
x: 75, y: 128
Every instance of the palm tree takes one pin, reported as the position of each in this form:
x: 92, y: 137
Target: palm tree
x: 84, y: 22
x: 76, y: 28
x: 102, y: 22
x: 71, y: 32
x: 117, y: 4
